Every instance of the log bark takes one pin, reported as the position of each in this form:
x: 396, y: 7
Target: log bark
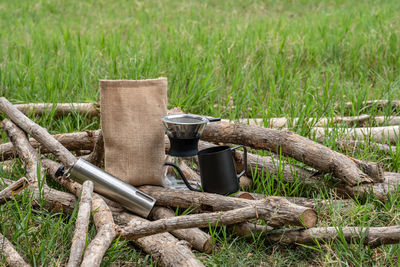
x: 281, y: 211
x: 373, y: 169
x: 71, y: 141
x: 25, y: 151
x: 12, y: 256
x: 97, y: 155
x: 387, y: 133
x: 305, y: 202
x: 13, y: 189
x: 372, y: 236
x: 60, y: 109
x: 37, y: 132
x: 380, y: 190
x: 256, y: 211
x: 199, y: 240
x: 290, y: 144
x: 81, y: 225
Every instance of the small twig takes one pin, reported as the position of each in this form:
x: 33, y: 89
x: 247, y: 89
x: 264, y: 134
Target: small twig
x: 196, y: 220
x: 371, y: 236
x: 60, y: 109
x: 24, y: 149
x: 200, y: 240
x: 13, y: 189
x: 39, y: 133
x: 12, y: 256
x: 82, y: 225
x: 105, y: 233
x: 72, y: 141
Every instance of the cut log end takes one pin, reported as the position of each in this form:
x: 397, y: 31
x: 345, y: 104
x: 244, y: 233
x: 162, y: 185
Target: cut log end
x: 309, y: 218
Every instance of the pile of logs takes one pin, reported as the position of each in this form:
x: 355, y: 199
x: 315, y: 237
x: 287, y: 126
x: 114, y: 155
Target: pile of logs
x: 162, y: 235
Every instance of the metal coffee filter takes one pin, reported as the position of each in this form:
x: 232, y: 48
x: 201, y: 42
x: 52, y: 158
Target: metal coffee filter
x: 184, y: 126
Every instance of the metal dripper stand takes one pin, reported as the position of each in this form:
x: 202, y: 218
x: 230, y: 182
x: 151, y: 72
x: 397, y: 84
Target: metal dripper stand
x: 184, y: 132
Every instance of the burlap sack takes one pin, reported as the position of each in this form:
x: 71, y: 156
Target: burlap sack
x: 131, y: 114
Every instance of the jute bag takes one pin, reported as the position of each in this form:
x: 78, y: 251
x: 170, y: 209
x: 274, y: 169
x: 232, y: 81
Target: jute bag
x: 131, y: 114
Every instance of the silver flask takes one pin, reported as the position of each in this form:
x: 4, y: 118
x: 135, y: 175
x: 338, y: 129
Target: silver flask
x: 113, y: 188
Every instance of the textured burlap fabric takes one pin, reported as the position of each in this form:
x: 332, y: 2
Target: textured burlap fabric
x: 131, y: 114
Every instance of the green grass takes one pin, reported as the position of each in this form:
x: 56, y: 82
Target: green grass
x: 222, y: 58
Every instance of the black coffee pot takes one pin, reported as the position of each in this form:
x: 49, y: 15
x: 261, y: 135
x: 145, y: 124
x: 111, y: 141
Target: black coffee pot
x: 217, y: 170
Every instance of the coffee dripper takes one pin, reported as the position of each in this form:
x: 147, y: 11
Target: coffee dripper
x: 217, y: 169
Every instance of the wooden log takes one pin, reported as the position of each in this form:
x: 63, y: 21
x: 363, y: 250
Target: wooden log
x: 189, y: 173
x: 81, y: 225
x: 97, y: 155
x: 290, y: 173
x: 290, y: 122
x: 373, y: 169
x: 37, y: 132
x: 389, y: 121
x: 93, y: 110
x: 257, y: 164
x: 165, y: 249
x: 13, y: 189
x: 381, y: 103
x: 380, y: 190
x: 357, y: 144
x: 199, y: 240
x: 106, y: 232
x: 305, y: 202
x: 290, y: 144
x: 387, y: 133
x: 56, y: 201
x: 72, y: 141
x: 13, y: 258
x: 8, y: 165
x: 60, y: 109
x: 371, y: 236
x: 255, y: 211
x: 281, y: 211
x: 26, y: 152
x: 283, y: 123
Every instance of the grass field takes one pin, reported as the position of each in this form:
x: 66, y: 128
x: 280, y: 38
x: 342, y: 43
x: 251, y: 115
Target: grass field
x: 251, y: 58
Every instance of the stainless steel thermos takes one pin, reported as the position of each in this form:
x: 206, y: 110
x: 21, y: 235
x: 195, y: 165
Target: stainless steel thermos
x: 113, y: 188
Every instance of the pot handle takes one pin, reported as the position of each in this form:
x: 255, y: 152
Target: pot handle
x: 244, y: 160
x: 182, y: 176
x: 213, y: 119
